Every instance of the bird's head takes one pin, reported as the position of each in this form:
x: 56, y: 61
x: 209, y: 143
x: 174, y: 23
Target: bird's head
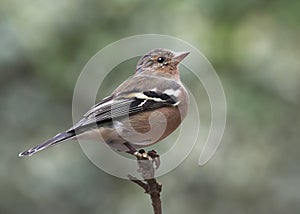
x: 161, y: 62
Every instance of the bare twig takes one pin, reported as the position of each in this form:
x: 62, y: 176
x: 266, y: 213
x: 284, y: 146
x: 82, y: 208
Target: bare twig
x: 138, y: 182
x: 150, y: 185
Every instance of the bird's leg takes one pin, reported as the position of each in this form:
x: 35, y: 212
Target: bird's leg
x: 133, y: 151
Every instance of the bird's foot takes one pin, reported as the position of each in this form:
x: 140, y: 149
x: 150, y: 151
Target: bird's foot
x: 155, y: 158
x: 150, y: 156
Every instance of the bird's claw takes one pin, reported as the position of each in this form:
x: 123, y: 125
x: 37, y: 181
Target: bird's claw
x: 155, y: 158
x: 148, y: 156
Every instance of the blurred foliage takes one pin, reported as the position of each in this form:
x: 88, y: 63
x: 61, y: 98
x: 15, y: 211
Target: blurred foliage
x: 253, y: 45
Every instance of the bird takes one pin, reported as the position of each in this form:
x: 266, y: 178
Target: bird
x: 142, y: 111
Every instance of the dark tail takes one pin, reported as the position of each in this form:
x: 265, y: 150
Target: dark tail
x: 59, y: 138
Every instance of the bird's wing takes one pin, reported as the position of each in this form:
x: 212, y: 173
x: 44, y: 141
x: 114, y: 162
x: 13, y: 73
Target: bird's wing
x: 125, y: 101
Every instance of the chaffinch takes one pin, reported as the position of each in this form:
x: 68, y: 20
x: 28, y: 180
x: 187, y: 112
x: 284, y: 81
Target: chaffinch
x: 143, y: 110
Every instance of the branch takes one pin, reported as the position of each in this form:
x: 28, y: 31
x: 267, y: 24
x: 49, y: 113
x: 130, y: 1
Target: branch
x: 146, y: 162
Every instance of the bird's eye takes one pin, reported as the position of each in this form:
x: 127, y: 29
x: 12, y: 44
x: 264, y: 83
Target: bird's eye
x: 160, y: 59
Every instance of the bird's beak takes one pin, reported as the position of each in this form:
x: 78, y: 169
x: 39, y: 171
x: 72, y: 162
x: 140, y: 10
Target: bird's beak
x: 179, y: 56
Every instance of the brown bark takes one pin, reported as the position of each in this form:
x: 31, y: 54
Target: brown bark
x: 146, y: 162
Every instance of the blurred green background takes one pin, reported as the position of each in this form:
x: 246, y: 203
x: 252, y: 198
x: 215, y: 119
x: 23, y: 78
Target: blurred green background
x: 255, y: 49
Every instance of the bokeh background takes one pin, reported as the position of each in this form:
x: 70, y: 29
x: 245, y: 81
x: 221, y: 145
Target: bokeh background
x: 255, y: 49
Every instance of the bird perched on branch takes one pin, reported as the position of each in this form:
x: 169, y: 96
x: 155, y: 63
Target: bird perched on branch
x: 143, y: 110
